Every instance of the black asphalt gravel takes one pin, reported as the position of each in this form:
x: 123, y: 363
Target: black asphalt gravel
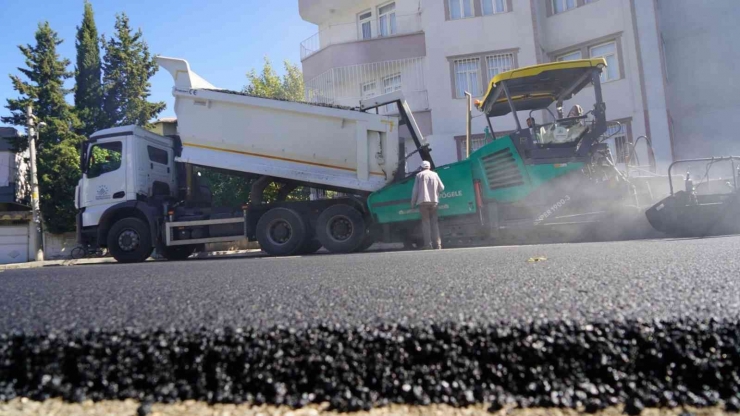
x: 643, y: 323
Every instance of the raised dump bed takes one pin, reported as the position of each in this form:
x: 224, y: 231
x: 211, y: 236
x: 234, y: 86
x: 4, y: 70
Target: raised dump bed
x: 314, y: 144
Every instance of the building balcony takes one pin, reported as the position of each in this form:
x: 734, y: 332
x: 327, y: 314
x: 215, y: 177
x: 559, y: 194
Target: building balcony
x: 378, y: 40
x: 319, y: 11
x: 348, y: 85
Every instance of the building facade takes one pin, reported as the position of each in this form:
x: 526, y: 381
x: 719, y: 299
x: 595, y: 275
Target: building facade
x: 436, y: 50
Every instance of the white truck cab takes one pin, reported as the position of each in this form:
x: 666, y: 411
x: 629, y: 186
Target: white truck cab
x: 125, y: 164
x: 135, y: 196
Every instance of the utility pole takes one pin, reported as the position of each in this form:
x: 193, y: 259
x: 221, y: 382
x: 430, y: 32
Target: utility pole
x: 36, y: 251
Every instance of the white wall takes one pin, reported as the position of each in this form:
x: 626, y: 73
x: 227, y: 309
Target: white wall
x: 447, y: 39
x: 702, y: 56
x: 659, y: 131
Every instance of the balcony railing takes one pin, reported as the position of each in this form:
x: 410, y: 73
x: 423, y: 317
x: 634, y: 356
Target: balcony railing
x: 384, y: 27
x: 349, y: 85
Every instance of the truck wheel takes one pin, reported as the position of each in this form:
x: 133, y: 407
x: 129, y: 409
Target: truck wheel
x: 177, y: 252
x: 281, y: 232
x: 129, y: 241
x: 340, y: 228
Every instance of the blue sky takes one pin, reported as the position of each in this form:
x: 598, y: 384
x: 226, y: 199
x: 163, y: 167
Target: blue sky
x: 221, y: 39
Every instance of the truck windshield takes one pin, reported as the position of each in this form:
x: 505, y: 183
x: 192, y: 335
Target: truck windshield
x: 104, y: 158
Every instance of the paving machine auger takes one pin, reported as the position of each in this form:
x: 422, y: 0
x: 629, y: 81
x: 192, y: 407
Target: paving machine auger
x: 707, y: 205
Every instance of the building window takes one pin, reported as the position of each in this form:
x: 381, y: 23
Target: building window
x: 589, y: 1
x: 390, y: 84
x: 368, y: 90
x: 570, y: 56
x: 476, y: 142
x: 560, y: 6
x: 467, y: 77
x: 366, y: 25
x: 493, y: 6
x: 499, y: 63
x: 387, y: 19
x: 460, y: 9
x: 619, y: 141
x: 607, y: 51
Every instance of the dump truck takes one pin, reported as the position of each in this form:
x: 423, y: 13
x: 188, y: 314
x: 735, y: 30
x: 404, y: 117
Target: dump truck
x: 140, y: 191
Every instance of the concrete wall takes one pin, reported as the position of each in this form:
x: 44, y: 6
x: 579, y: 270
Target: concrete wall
x: 59, y: 246
x: 702, y: 54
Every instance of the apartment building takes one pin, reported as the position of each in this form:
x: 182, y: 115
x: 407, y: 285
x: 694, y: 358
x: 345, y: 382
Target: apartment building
x: 436, y: 50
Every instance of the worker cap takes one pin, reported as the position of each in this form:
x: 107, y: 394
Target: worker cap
x: 426, y: 165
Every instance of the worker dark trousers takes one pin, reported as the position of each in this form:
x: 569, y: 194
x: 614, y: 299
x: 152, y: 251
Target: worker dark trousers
x: 430, y: 225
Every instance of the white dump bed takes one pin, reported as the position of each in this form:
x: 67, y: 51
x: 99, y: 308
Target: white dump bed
x: 313, y: 144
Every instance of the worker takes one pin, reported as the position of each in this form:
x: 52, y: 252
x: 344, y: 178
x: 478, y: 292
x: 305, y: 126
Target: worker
x: 538, y: 134
x: 576, y: 129
x: 425, y: 195
x: 576, y: 111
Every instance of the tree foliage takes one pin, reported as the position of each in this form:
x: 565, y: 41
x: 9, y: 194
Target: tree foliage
x: 57, y: 161
x: 88, y: 71
x: 127, y: 68
x: 269, y: 84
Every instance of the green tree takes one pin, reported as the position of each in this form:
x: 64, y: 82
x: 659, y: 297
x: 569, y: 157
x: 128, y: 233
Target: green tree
x: 269, y: 84
x: 58, y: 160
x: 127, y: 68
x: 231, y: 190
x: 88, y: 87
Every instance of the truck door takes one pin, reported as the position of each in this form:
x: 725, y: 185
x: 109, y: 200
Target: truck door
x: 105, y: 174
x: 159, y: 169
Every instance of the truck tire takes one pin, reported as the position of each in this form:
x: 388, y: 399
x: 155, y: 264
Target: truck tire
x: 129, y: 241
x: 340, y: 229
x: 177, y: 252
x: 281, y: 232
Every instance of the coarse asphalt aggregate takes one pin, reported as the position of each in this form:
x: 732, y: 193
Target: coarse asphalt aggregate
x: 641, y: 323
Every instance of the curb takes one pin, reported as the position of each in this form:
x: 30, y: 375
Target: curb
x: 106, y: 260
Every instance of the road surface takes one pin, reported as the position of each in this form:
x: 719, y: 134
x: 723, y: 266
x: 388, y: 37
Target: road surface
x: 592, y: 325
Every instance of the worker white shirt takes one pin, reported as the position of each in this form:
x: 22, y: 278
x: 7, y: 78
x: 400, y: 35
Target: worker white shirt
x: 427, y: 188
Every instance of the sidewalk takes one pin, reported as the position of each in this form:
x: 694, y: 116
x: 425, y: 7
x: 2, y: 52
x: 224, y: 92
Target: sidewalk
x: 105, y: 260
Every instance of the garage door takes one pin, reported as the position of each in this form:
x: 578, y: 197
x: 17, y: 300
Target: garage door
x: 13, y: 244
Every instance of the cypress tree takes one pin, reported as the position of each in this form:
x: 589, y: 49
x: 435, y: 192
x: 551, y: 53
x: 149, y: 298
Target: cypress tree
x: 127, y: 68
x: 88, y: 88
x: 57, y: 161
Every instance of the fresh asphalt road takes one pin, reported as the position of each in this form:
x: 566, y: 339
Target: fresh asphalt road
x: 592, y: 281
